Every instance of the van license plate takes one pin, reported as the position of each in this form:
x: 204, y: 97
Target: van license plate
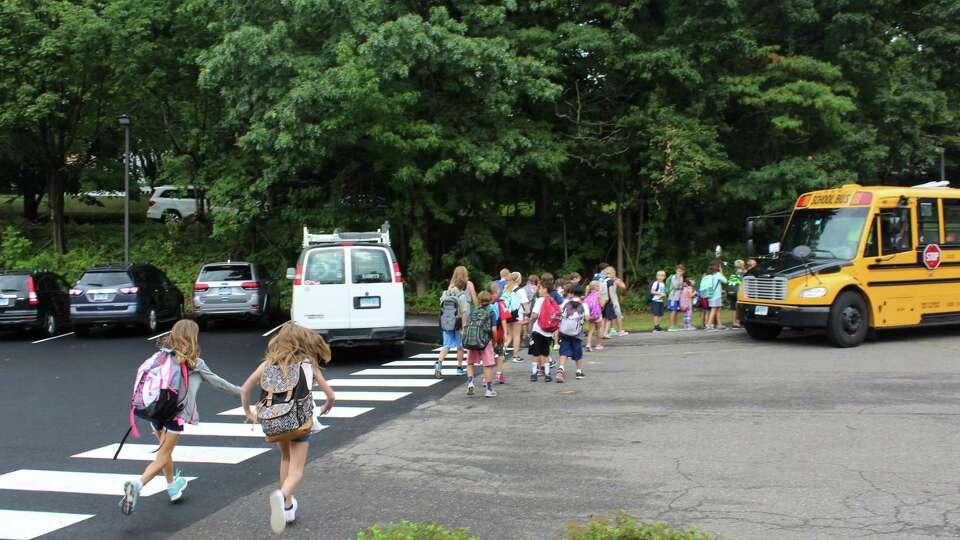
x: 101, y: 297
x: 369, y: 302
x: 760, y: 311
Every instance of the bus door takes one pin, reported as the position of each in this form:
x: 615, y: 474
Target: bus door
x: 896, y: 278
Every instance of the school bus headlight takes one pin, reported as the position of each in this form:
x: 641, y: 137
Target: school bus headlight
x: 816, y: 292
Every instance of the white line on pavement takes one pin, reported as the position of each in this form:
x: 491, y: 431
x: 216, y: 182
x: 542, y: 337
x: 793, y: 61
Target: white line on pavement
x: 346, y: 395
x: 216, y: 429
x: 401, y: 372
x: 273, y: 330
x: 384, y: 383
x: 26, y: 525
x: 335, y: 412
x: 52, y: 338
x: 158, y: 336
x: 74, y: 482
x: 182, y: 453
x: 418, y: 363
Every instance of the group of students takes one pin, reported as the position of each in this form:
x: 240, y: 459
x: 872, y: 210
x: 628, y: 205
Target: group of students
x: 680, y: 294
x: 546, y: 313
x: 291, y: 364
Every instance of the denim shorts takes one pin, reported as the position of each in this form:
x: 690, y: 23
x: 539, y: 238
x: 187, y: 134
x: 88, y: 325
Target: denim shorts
x: 451, y: 339
x: 571, y: 347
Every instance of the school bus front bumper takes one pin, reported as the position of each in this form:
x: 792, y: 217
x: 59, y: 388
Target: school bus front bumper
x: 786, y: 316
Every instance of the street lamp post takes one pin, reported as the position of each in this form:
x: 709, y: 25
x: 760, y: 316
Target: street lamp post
x: 124, y: 121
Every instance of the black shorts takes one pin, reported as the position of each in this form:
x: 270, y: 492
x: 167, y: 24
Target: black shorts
x: 539, y: 344
x: 609, y: 313
x: 656, y: 308
x: 171, y: 425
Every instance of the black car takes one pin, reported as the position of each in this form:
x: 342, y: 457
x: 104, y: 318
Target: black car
x: 35, y: 300
x: 134, y: 294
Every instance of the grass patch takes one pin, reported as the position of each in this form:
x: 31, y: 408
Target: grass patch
x: 11, y: 208
x: 642, y: 321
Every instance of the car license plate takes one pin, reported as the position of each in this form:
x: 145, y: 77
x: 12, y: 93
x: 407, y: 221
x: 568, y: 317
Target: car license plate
x: 4, y: 302
x: 226, y: 291
x: 100, y: 297
x: 760, y: 311
x: 369, y: 302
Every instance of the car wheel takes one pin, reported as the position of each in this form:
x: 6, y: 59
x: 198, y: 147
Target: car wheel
x: 849, y: 321
x: 50, y: 325
x: 171, y: 216
x: 763, y: 332
x: 152, y: 321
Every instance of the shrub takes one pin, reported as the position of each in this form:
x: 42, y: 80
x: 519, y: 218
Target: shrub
x: 406, y: 530
x: 625, y: 527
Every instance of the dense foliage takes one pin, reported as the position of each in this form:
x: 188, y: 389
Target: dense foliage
x: 547, y: 134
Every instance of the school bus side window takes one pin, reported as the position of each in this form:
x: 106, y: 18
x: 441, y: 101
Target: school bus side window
x: 872, y: 248
x: 951, y: 221
x: 895, y: 230
x: 929, y: 221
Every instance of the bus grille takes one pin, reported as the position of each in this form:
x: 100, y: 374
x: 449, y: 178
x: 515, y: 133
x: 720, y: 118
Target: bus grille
x: 764, y: 288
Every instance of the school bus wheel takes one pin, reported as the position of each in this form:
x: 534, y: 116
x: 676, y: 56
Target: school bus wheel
x: 849, y: 321
x: 763, y: 332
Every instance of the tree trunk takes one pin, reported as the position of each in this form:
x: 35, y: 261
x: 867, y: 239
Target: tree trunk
x: 620, y: 232
x: 56, y: 183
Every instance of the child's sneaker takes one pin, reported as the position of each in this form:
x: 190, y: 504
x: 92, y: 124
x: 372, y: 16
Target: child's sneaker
x: 553, y: 363
x: 579, y: 374
x: 613, y: 333
x: 589, y: 348
x: 471, y: 389
x: 547, y: 378
x: 501, y: 378
x: 516, y: 359
x: 277, y: 520
x: 599, y: 347
x: 490, y: 392
x: 461, y: 372
x: 560, y: 375
x: 131, y: 494
x: 290, y: 514
x: 175, y: 490
x: 624, y: 333
x: 438, y: 370
x: 533, y: 377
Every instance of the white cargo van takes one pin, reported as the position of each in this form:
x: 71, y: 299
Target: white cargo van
x: 347, y: 286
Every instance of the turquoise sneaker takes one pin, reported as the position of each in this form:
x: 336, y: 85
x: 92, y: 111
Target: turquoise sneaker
x: 179, y: 484
x: 131, y: 494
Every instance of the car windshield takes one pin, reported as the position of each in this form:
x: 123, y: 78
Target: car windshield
x: 226, y: 273
x: 13, y: 284
x: 830, y: 233
x: 105, y: 279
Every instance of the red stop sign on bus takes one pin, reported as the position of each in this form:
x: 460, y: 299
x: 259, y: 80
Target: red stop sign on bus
x: 932, y: 256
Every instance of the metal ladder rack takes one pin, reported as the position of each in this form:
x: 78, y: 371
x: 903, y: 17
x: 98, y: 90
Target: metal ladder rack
x: 380, y: 236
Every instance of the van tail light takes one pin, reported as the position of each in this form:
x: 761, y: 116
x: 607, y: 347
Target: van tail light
x: 76, y: 292
x: 32, y: 292
x: 200, y: 287
x: 803, y: 201
x: 250, y: 285
x: 298, y: 277
x: 397, y: 276
x: 862, y: 197
x: 129, y: 290
x: 151, y: 203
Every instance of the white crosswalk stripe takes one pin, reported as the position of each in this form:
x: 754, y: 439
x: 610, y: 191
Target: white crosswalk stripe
x: 433, y: 355
x: 26, y: 525
x: 75, y: 482
x: 385, y: 383
x: 401, y: 372
x: 346, y: 395
x: 335, y: 412
x: 418, y: 363
x: 218, y: 429
x: 181, y: 454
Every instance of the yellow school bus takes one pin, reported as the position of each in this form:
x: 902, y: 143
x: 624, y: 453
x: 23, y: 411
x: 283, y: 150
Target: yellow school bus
x: 856, y: 259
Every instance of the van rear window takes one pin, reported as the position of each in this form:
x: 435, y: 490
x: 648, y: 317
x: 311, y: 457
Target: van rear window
x: 324, y: 267
x: 235, y: 272
x: 370, y: 266
x: 13, y: 284
x: 105, y: 279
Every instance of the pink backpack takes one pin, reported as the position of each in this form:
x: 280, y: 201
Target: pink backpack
x: 593, y: 303
x: 159, y: 390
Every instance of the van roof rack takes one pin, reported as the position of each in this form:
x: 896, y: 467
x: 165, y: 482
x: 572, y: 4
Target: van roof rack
x: 380, y: 236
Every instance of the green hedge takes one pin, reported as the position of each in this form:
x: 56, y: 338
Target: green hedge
x: 406, y: 530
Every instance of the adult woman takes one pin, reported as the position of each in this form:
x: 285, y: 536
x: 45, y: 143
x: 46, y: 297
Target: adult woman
x: 516, y: 300
x: 461, y: 272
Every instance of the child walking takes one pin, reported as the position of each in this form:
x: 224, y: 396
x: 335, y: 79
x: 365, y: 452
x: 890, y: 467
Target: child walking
x: 596, y: 315
x: 485, y: 356
x: 675, y: 286
x: 498, y: 309
x: 540, y: 339
x: 573, y: 312
x: 658, y: 293
x: 454, y: 308
x: 292, y: 345
x: 182, y: 344
x: 711, y: 288
x: 686, y: 302
x: 518, y: 303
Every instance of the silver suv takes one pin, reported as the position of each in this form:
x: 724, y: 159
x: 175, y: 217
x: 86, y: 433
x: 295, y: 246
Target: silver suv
x: 234, y: 290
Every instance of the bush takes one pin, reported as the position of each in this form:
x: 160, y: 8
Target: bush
x: 406, y: 530
x: 625, y: 527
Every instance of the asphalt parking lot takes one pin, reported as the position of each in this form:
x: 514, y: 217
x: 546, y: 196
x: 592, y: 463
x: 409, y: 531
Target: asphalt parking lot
x: 787, y: 440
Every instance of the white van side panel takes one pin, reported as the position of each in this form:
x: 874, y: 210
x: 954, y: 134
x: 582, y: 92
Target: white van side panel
x: 322, y: 301
x: 371, y: 277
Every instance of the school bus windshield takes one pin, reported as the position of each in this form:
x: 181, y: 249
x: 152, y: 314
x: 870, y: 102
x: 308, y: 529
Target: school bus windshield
x: 830, y: 233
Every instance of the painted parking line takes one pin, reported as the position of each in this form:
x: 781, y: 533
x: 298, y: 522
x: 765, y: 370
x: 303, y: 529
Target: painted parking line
x: 151, y: 338
x: 384, y: 383
x: 401, y: 372
x: 417, y: 363
x: 274, y: 329
x: 186, y: 454
x: 51, y: 339
x: 346, y: 395
x: 335, y: 412
x: 26, y: 525
x: 75, y: 482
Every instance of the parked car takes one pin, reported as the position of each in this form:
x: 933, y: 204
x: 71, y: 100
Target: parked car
x: 135, y: 294
x: 174, y: 203
x: 234, y: 290
x: 35, y: 300
x: 348, y: 287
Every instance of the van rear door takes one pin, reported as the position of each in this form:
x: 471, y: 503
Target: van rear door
x: 321, y: 301
x: 376, y: 296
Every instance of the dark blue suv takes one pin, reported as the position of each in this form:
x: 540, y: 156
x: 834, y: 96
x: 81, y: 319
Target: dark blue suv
x: 133, y: 295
